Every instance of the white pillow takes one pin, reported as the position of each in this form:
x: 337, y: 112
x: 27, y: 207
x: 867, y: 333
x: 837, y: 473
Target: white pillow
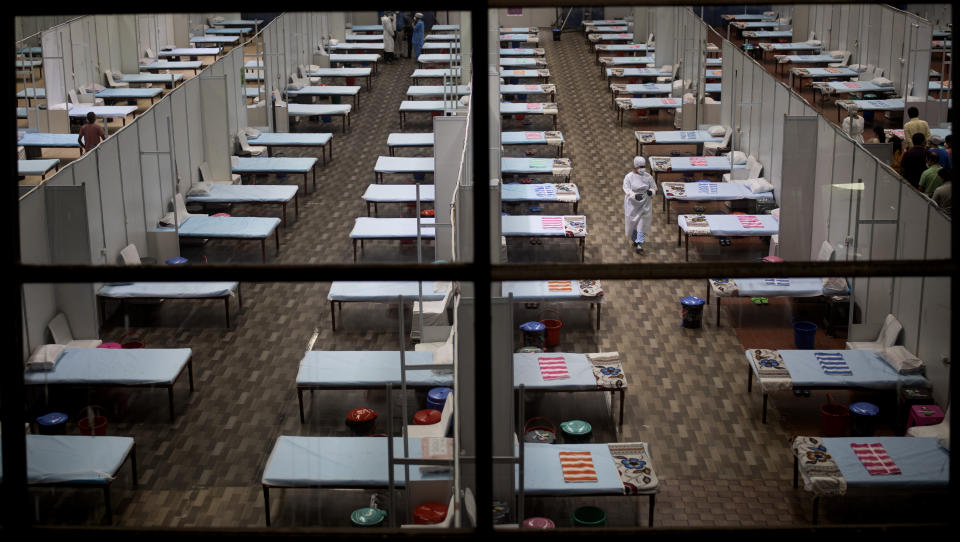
x: 814, y: 42
x: 689, y: 98
x: 709, y: 100
x: 717, y: 131
x: 835, y: 286
x: 199, y: 189
x: 836, y: 54
x: 902, y: 360
x: 739, y: 158
x: 759, y: 185
x: 882, y: 81
x: 45, y: 357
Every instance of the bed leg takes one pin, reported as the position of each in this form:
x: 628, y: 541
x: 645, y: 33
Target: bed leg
x: 300, y: 400
x: 284, y: 207
x: 226, y: 310
x: 354, y: 251
x: 686, y: 247
x: 276, y: 236
x: 133, y: 463
x: 333, y: 316
x: 170, y: 399
x: 679, y: 235
x: 653, y: 504
x: 796, y: 472
x: 749, y: 378
x: 816, y: 509
x: 764, y: 416
x: 718, y: 311
x: 266, y: 503
x: 622, y: 398
x: 598, y: 316
x: 106, y: 502
x: 263, y: 250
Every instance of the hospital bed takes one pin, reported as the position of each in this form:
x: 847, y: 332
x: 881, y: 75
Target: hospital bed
x: 346, y: 73
x: 364, y: 59
x: 327, y: 110
x: 366, y: 46
x: 38, y: 93
x: 849, y: 87
x: 542, y: 75
x: 604, y: 22
x: 407, y: 139
x: 78, y: 113
x: 39, y: 167
x: 534, y: 138
x: 522, y: 62
x: 511, y: 192
x: 768, y: 34
x: 363, y: 370
x: 168, y: 79
x: 361, y: 463
x: 555, y: 291
x: 713, y: 75
x: 80, y: 462
x: 795, y: 46
x: 713, y: 62
x: 364, y: 37
x: 29, y: 66
x: 887, y: 106
x: 608, y: 29
x: 619, y: 61
x: 769, y: 287
x: 382, y: 292
x: 313, y: 90
x: 251, y: 195
x: 402, y: 165
x: 323, y: 140
x: 434, y: 107
x: 367, y: 28
x: 520, y: 38
x: 820, y: 73
x: 620, y: 48
x: 704, y: 191
x: 123, y: 94
x: 531, y: 226
x: 674, y: 137
x: 522, y: 90
x: 234, y: 23
x: 396, y: 193
x: 520, y: 51
x: 442, y: 37
x: 445, y: 28
x: 288, y: 166
x: 37, y: 50
x: 935, y: 86
x: 34, y: 143
x: 942, y: 132
x: 784, y: 60
x: 609, y: 38
x: 170, y: 290
x: 731, y: 17
x: 237, y: 228
x: 636, y: 73
x: 193, y: 52
x: 229, y: 31
x: 386, y: 229
x: 725, y: 226
x: 830, y: 467
x: 436, y: 91
x: 786, y: 370
x: 518, y: 30
x: 940, y: 46
x: 691, y: 164
x: 113, y: 368
x: 655, y: 104
x: 434, y: 73
x: 740, y: 26
x: 531, y: 108
x: 442, y: 59
x: 440, y: 46
x: 219, y: 40
x: 558, y: 167
x: 159, y: 65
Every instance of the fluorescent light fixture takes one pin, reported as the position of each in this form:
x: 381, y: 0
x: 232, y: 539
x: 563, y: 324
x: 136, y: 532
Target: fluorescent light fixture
x: 848, y: 186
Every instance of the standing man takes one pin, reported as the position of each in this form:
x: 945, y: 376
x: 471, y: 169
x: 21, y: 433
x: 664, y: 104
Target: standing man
x: 930, y: 178
x: 914, y: 161
x: 915, y: 126
x: 417, y: 34
x: 91, y: 133
x: 389, y: 37
x: 408, y: 31
x: 853, y: 124
x: 638, y: 189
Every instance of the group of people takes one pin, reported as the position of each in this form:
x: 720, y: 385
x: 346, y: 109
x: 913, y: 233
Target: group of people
x: 412, y: 32
x: 925, y: 160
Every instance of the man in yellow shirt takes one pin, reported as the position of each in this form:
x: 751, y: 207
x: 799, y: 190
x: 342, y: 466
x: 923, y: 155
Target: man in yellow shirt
x: 915, y: 126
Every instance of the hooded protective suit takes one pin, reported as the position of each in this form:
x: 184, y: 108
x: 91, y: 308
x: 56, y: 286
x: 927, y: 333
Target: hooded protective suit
x: 638, y: 215
x: 389, y: 34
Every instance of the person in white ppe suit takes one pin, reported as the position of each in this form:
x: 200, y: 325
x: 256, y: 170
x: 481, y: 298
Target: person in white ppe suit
x: 639, y: 189
x: 853, y: 124
x: 389, y: 36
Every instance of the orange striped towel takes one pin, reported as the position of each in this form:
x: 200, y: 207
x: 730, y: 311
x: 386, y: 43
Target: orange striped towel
x: 577, y: 467
x: 559, y: 286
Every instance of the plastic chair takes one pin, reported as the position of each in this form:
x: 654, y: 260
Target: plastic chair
x: 714, y: 149
x: 207, y: 177
x: 60, y: 331
x: 753, y: 170
x: 888, y: 336
x: 246, y: 149
x: 113, y: 83
x: 845, y: 56
x: 940, y: 430
x: 181, y: 209
x: 130, y: 255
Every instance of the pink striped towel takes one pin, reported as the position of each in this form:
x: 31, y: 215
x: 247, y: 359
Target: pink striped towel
x: 668, y: 101
x: 851, y: 85
x: 875, y: 458
x: 698, y: 161
x: 533, y: 106
x: 533, y: 135
x: 750, y: 221
x: 553, y: 368
x: 551, y: 222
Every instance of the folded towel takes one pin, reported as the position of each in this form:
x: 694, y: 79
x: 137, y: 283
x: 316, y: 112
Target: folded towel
x: 875, y: 458
x: 603, y: 356
x: 577, y: 467
x: 561, y: 167
x: 590, y: 288
x: 45, y: 357
x: 697, y: 225
x: 608, y: 370
x: 553, y: 138
x: 634, y: 467
x: 543, y: 73
x: 566, y: 192
x: 819, y: 472
x: 675, y: 190
x: 902, y: 360
x: 553, y: 368
x: 644, y: 137
x: 575, y: 225
x: 199, y: 189
x: 724, y: 287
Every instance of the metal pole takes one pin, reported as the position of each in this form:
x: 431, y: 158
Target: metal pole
x: 403, y: 404
x: 391, y: 483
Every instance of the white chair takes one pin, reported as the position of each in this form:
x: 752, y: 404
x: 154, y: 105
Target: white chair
x: 130, y: 255
x: 752, y: 170
x: 302, y: 72
x: 844, y: 56
x: 442, y: 352
x: 60, y: 331
x: 714, y: 149
x: 673, y: 73
x: 113, y: 83
x: 181, y: 209
x: 436, y: 430
x: 207, y: 177
x: 83, y: 99
x: 249, y: 150
x: 826, y: 252
x: 939, y: 431
x: 650, y: 41
x: 888, y: 336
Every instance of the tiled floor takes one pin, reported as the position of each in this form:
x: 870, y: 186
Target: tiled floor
x: 718, y: 464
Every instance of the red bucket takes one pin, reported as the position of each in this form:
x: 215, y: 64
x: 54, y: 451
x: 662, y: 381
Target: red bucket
x: 554, y: 325
x: 350, y: 81
x: 99, y: 422
x: 835, y: 419
x: 132, y: 340
x: 519, y: 117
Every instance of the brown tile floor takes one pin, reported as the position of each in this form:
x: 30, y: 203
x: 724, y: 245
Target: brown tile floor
x: 718, y: 464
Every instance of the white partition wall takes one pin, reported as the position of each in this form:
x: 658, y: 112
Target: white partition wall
x: 666, y: 30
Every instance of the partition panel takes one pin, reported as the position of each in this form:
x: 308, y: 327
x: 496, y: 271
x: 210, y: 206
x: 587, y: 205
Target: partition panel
x: 128, y: 46
x: 880, y: 289
x: 764, y: 151
x: 165, y: 161
x: 887, y: 199
x: 153, y: 201
x: 773, y: 169
x: 111, y: 200
x: 85, y: 174
x: 917, y: 72
x: 181, y: 139
x: 934, y: 340
x: 865, y: 171
x: 842, y: 197
x: 191, y: 90
x: 823, y: 191
x: 216, y: 138
x: 727, y: 87
x: 56, y: 66
x: 885, y: 45
x: 128, y: 144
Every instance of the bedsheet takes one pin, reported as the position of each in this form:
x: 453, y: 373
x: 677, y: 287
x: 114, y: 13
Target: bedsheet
x: 74, y: 459
x: 526, y: 62
x: 526, y: 371
x: 528, y: 89
x: 649, y: 103
x: 354, y: 57
x: 131, y: 93
x: 36, y: 167
x: 386, y: 291
x: 504, y: 72
x: 437, y: 90
x: 311, y: 90
x: 190, y: 51
x: 275, y: 165
x: 246, y: 193
x: 531, y: 138
x: 438, y: 58
x: 407, y: 139
x: 540, y: 226
x: 825, y: 72
x: 626, y: 60
x: 353, y: 369
x: 435, y: 72
x: 922, y: 462
x: 731, y: 225
x: 150, y: 77
x: 676, y: 137
x: 623, y: 47
x: 341, y: 72
x: 173, y: 65
x: 398, y: 193
x: 318, y: 109
x: 290, y: 139
x: 709, y: 191
x: 172, y: 290
x: 404, y: 164
x: 539, y: 192
x: 867, y: 367
x: 874, y: 105
x: 546, y: 166
x: 692, y: 163
x: 528, y: 108
x: 540, y: 289
x: 426, y: 105
x: 544, y: 476
x: 637, y: 72
x: 642, y: 88
x: 246, y: 227
x: 138, y: 366
x: 522, y: 52
x: 391, y: 228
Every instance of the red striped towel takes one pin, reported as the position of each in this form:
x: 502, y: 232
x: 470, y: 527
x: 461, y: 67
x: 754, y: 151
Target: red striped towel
x: 875, y: 458
x: 551, y: 222
x: 577, y: 467
x: 533, y: 106
x: 553, y: 368
x: 750, y: 221
x: 559, y: 286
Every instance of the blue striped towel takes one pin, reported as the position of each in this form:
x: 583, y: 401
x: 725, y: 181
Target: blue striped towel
x: 832, y: 363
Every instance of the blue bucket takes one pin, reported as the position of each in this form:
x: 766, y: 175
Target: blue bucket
x: 436, y: 398
x: 804, y: 334
x: 326, y: 118
x: 692, y: 311
x: 54, y: 423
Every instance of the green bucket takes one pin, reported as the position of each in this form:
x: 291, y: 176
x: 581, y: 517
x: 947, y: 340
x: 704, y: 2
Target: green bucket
x: 589, y: 516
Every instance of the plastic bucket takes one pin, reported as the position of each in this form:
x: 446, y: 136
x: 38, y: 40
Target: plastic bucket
x: 131, y: 341
x: 427, y: 416
x: 350, y: 81
x: 437, y: 397
x: 430, y: 513
x: 326, y: 118
x: 539, y: 430
x: 863, y: 419
x: 534, y: 334
x: 362, y: 421
x: 576, y: 431
x: 834, y: 419
x: 804, y: 334
x: 54, y: 423
x: 419, y: 176
x: 99, y: 423
x: 556, y: 34
x: 538, y: 523
x: 589, y: 516
x: 691, y: 310
x: 553, y: 327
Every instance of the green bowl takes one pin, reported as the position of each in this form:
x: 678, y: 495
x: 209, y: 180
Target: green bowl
x: 576, y: 427
x: 367, y: 517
